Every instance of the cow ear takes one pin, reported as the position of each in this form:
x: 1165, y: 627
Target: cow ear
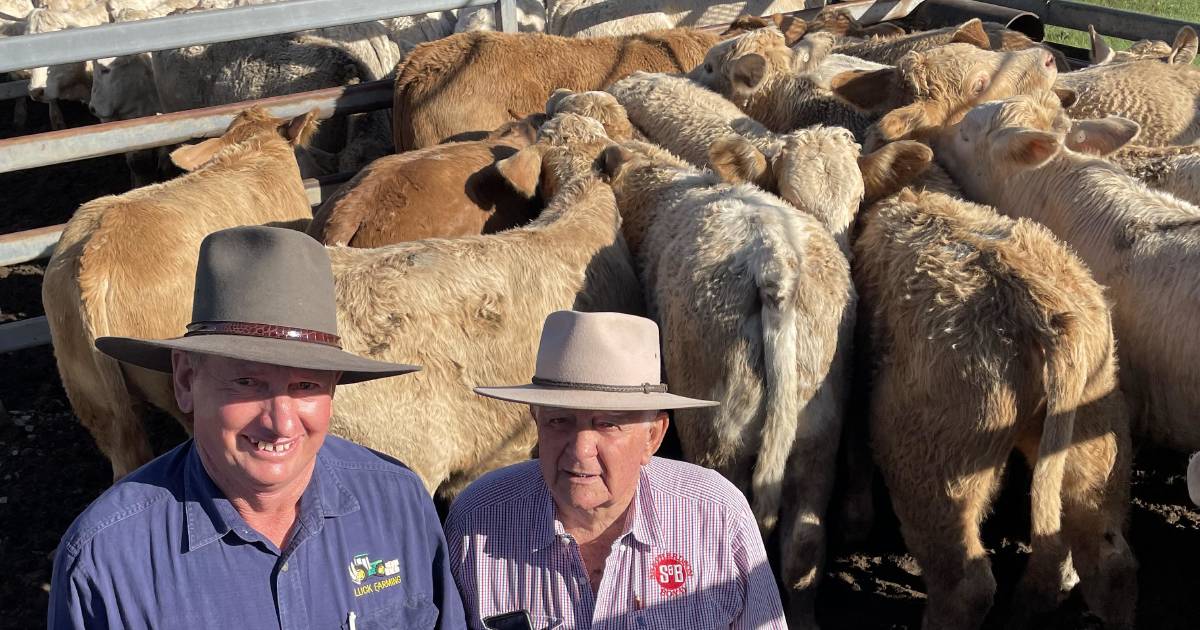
x: 744, y: 24
x: 792, y: 27
x: 1066, y: 96
x: 735, y: 160
x: 299, y: 130
x: 1100, y: 51
x: 1029, y: 148
x: 971, y: 32
x: 1101, y: 136
x: 523, y: 170
x: 1183, y: 51
x: 865, y: 89
x: 906, y: 122
x: 192, y: 156
x: 892, y: 167
x: 749, y: 71
x: 556, y: 97
x: 613, y: 159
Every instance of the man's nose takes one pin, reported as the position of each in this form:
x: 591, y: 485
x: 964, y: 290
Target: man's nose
x: 583, y: 446
x: 280, y: 414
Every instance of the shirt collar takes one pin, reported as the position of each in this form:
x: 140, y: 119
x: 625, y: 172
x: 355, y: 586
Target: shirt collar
x: 209, y: 516
x: 641, y: 524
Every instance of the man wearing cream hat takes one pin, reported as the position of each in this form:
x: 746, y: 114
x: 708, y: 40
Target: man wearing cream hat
x: 597, y: 532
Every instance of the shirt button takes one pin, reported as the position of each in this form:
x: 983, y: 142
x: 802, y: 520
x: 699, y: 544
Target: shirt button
x: 284, y: 567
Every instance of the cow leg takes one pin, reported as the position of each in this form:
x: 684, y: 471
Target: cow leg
x: 807, y: 489
x: 57, y: 121
x: 941, y: 491
x: 20, y: 113
x: 1096, y: 507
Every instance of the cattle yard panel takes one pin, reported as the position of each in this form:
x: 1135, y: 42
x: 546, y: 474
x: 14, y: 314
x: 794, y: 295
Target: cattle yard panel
x: 1114, y: 22
x: 209, y: 27
x: 81, y: 143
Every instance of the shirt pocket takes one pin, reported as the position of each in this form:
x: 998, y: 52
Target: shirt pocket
x: 681, y: 615
x: 542, y: 622
x: 418, y: 613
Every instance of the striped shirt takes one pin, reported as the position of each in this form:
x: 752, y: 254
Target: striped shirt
x: 690, y: 555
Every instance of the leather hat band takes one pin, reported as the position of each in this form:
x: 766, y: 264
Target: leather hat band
x: 644, y: 388
x: 246, y: 329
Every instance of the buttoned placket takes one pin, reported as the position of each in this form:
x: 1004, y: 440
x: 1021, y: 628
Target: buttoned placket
x: 291, y: 600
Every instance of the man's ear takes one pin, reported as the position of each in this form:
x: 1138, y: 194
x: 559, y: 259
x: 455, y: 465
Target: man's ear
x: 1029, y: 148
x: 971, y: 32
x: 523, y: 170
x: 1183, y: 51
x: 1101, y: 136
x: 183, y: 377
x: 892, y: 167
x: 192, y: 156
x: 658, y: 431
x: 736, y: 160
x: 865, y: 89
x: 749, y: 71
x: 1100, y: 51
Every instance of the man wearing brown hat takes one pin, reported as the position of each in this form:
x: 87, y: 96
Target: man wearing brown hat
x: 262, y: 520
x: 597, y: 532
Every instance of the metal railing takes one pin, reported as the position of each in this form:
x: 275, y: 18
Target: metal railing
x: 1113, y: 22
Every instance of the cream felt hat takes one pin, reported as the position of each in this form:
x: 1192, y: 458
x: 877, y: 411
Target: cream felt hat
x: 263, y: 294
x: 1193, y: 478
x: 599, y: 361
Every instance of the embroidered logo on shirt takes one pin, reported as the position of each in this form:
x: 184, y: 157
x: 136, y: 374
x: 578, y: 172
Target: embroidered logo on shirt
x: 362, y: 567
x: 671, y: 572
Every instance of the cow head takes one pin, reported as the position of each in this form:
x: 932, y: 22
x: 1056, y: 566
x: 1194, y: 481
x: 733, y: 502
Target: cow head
x: 246, y: 131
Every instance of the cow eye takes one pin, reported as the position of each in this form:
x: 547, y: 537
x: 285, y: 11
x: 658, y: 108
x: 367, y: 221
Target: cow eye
x: 708, y: 68
x: 104, y: 69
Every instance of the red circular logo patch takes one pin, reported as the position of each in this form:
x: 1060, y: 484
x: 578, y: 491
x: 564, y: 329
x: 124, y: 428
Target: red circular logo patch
x: 671, y: 572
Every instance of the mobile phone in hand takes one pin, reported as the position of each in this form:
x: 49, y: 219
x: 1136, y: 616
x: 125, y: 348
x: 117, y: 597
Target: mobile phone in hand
x: 515, y: 620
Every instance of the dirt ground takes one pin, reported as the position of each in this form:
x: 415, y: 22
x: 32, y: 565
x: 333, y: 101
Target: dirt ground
x: 50, y: 470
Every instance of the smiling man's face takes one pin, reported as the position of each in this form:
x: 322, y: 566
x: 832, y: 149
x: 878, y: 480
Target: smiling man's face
x: 591, y: 460
x: 258, y: 427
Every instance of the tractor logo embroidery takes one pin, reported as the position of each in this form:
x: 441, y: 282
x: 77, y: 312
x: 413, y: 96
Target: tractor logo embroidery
x: 362, y: 567
x: 671, y: 572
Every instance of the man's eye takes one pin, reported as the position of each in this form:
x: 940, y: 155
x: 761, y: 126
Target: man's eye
x: 244, y: 382
x: 607, y: 426
x: 308, y: 386
x: 556, y: 422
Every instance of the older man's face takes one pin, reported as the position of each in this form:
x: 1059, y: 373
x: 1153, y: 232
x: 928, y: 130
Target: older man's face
x: 258, y: 427
x: 592, y: 459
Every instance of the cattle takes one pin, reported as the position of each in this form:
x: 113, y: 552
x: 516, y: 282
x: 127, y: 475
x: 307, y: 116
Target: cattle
x: 68, y: 82
x: 1182, y: 51
x: 1173, y: 169
x: 986, y: 334
x: 1193, y: 478
x: 1160, y: 97
x: 446, y: 190
x: 986, y: 35
x: 601, y: 18
x: 461, y: 86
x: 1140, y: 243
x: 100, y: 282
x: 600, y: 106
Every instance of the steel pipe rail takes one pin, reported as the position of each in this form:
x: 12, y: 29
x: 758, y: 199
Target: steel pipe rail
x: 14, y: 89
x: 81, y: 143
x: 1114, y: 22
x: 37, y: 244
x: 208, y: 27
x: 27, y: 333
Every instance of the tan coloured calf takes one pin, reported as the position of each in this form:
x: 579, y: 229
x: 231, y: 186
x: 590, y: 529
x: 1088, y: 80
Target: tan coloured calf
x: 445, y: 190
x: 478, y: 81
x: 1143, y: 245
x: 1182, y: 51
x: 1163, y: 98
x: 1171, y: 169
x: 125, y: 266
x: 987, y: 335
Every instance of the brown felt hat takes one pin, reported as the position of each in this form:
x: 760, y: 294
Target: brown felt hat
x: 597, y: 361
x: 263, y: 294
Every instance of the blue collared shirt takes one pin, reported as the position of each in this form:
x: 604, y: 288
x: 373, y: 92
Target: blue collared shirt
x: 164, y: 548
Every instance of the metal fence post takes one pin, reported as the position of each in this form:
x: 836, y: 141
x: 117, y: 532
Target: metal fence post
x: 506, y: 15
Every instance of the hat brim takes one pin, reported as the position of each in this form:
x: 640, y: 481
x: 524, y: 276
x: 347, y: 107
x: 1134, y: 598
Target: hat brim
x: 156, y: 354
x: 586, y: 399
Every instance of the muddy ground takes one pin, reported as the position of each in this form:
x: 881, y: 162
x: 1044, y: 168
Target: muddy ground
x: 50, y: 469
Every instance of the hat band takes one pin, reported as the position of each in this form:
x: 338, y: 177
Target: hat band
x: 645, y: 388
x: 246, y: 329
